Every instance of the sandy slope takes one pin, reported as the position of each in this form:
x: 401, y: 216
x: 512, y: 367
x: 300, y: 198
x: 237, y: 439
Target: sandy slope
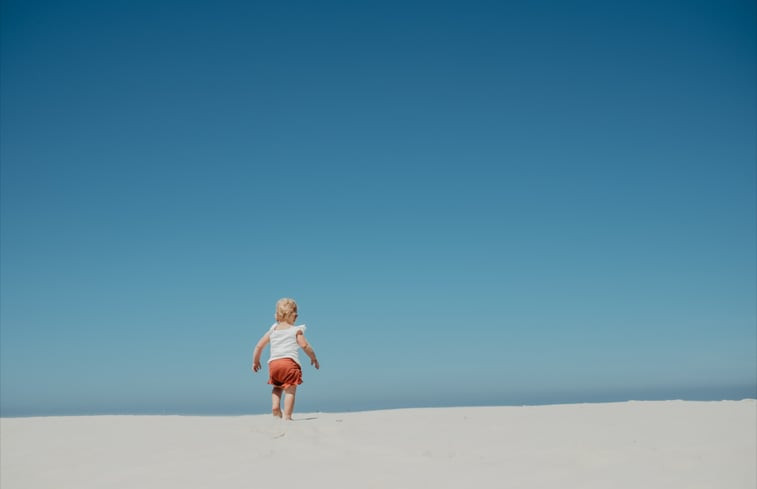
x: 670, y: 444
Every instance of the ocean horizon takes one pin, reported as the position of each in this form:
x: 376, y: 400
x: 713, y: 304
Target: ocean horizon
x: 259, y: 404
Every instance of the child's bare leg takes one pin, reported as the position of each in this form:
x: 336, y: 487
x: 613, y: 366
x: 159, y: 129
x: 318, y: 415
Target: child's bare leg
x: 276, y: 401
x: 289, y: 401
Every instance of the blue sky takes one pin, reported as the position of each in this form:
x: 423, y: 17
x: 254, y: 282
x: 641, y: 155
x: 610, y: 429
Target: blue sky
x: 472, y: 202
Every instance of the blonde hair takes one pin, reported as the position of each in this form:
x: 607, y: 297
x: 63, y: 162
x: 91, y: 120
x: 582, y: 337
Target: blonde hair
x: 286, y: 309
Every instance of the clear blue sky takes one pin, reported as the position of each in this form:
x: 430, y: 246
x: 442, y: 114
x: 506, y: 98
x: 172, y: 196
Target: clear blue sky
x: 472, y: 202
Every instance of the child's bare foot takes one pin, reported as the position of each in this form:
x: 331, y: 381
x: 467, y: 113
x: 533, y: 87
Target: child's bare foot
x: 277, y: 412
x: 288, y: 418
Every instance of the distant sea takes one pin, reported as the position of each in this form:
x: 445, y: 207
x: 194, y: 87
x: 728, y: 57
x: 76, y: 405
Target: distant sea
x: 307, y: 402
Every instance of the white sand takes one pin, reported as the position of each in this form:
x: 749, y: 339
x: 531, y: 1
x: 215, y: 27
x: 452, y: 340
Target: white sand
x: 667, y: 444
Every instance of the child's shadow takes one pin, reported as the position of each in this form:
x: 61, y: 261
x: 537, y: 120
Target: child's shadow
x: 306, y: 419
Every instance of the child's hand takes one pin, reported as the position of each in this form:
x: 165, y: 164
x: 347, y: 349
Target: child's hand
x: 314, y: 362
x: 256, y: 366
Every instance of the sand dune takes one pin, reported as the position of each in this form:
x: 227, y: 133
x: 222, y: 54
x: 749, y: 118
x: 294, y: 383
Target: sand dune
x: 666, y: 444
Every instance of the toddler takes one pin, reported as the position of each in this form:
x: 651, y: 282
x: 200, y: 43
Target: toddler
x: 285, y: 372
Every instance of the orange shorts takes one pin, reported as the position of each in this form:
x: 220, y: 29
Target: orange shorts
x: 284, y: 373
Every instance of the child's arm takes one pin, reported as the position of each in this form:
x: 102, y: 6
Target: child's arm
x: 258, y: 350
x: 308, y: 349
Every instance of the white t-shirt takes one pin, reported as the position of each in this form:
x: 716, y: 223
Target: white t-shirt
x: 284, y: 343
